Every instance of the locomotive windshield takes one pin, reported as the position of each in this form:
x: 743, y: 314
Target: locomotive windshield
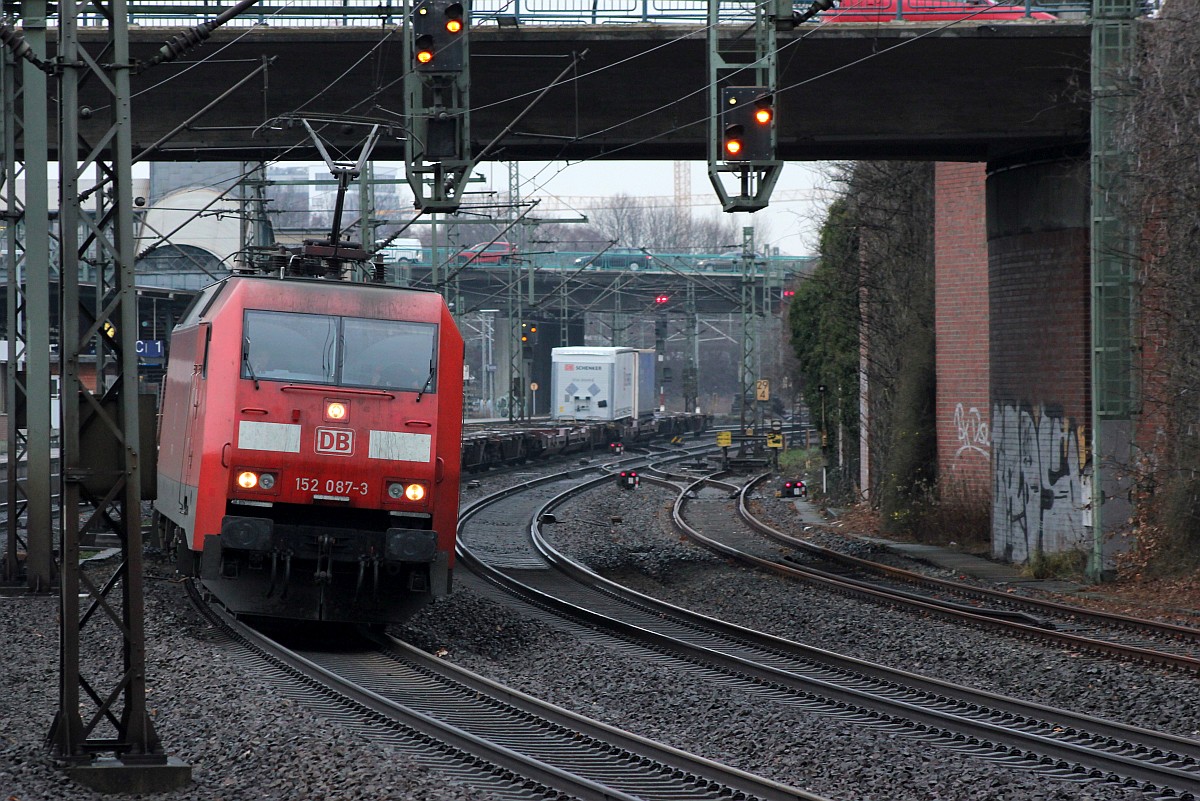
x: 343, y: 351
x: 387, y: 354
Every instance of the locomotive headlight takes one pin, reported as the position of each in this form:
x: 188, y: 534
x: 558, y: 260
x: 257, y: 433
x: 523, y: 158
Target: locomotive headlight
x: 335, y: 410
x: 398, y: 490
x: 249, y: 479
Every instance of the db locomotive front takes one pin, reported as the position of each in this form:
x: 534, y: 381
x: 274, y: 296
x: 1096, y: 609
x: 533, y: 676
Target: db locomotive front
x: 310, y: 446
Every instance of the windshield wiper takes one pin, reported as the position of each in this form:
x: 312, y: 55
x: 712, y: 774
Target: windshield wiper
x: 428, y: 381
x: 246, y: 360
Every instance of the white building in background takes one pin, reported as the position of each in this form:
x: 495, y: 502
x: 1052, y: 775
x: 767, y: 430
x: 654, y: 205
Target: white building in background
x: 188, y: 238
x: 188, y: 223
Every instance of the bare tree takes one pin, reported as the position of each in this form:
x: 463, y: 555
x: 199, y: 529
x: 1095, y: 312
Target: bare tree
x: 632, y: 222
x: 1162, y: 133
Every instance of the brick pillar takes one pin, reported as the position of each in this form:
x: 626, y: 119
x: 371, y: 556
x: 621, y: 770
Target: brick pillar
x: 962, y: 330
x: 1040, y: 291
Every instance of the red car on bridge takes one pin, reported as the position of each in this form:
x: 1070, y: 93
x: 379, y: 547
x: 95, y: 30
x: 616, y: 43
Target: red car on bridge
x: 488, y: 254
x: 928, y: 11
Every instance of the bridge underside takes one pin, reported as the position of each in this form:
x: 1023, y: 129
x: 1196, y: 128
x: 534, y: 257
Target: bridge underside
x: 967, y: 92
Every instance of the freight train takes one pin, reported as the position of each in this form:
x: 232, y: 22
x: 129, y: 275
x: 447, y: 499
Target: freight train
x: 491, y: 446
x: 310, y: 446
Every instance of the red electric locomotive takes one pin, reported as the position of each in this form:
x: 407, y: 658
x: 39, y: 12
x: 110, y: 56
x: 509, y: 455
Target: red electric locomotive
x: 309, y: 448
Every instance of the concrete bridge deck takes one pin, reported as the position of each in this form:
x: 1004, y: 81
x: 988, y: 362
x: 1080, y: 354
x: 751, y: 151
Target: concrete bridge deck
x: 976, y: 91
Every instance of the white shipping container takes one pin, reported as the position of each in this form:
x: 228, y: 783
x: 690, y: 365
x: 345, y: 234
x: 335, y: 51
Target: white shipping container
x: 600, y: 383
x: 647, y: 383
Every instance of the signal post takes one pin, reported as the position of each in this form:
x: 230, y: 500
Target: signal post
x: 742, y: 129
x: 437, y: 149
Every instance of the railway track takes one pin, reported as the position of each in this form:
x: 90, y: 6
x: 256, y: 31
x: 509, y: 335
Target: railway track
x: 480, y: 732
x: 757, y: 543
x: 501, y: 541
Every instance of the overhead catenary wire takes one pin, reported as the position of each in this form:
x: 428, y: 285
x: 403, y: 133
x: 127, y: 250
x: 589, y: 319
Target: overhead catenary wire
x: 702, y: 120
x: 559, y: 80
x: 187, y: 39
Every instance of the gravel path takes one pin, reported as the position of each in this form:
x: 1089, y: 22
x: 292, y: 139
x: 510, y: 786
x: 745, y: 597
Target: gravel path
x: 246, y: 743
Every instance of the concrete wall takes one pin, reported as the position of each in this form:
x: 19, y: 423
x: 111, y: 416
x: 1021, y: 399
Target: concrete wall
x: 1039, y: 309
x: 962, y: 326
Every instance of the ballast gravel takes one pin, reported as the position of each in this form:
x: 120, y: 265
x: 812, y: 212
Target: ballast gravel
x: 244, y: 741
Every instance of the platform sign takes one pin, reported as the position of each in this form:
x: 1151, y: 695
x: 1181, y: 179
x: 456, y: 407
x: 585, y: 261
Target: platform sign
x: 774, y: 440
x: 150, y: 348
x: 724, y: 439
x: 762, y: 389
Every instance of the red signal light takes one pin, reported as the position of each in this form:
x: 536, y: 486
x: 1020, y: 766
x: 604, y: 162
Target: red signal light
x: 454, y: 17
x: 733, y: 146
x: 424, y: 49
x: 660, y: 299
x: 763, y: 116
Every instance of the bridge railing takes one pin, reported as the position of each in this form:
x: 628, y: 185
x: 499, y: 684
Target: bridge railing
x: 573, y: 261
x: 665, y: 262
x: 376, y: 13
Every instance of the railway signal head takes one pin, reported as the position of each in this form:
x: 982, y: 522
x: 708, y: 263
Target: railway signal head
x: 529, y: 339
x: 747, y: 124
x: 795, y: 489
x: 661, y: 300
x: 628, y: 480
x: 439, y: 36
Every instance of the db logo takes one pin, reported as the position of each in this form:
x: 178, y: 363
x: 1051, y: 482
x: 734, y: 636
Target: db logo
x: 338, y: 441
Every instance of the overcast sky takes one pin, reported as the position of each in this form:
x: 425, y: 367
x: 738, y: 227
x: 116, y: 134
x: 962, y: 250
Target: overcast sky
x: 791, y: 221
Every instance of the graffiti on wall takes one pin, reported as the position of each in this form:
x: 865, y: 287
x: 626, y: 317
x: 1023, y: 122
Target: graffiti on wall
x: 974, y: 438
x: 1039, y: 493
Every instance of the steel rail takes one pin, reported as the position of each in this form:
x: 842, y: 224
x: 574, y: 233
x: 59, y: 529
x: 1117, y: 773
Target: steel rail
x: 1058, y: 749
x: 472, y: 747
x: 1006, y: 620
x: 731, y: 779
x: 1169, y: 630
